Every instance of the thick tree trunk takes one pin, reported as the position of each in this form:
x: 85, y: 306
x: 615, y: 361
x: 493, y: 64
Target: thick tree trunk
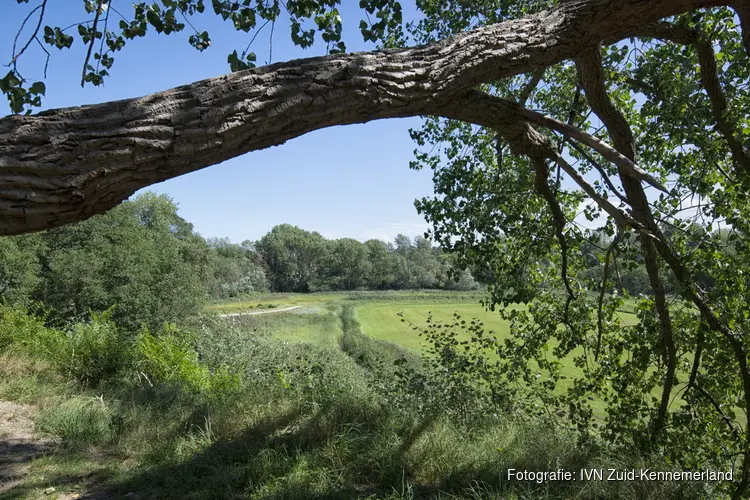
x: 66, y: 165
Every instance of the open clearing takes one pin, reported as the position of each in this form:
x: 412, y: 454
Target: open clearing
x: 380, y: 316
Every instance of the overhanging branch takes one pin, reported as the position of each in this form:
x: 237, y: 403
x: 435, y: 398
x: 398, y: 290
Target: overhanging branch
x: 589, y: 140
x: 68, y: 164
x: 511, y: 122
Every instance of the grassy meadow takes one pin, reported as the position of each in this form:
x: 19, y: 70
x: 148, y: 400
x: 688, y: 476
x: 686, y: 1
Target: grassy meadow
x: 300, y: 404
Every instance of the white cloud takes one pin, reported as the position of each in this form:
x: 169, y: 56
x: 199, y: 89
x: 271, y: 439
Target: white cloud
x: 388, y: 233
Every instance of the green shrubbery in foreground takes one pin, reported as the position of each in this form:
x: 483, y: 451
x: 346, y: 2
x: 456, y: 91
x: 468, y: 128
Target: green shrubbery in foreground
x: 220, y: 410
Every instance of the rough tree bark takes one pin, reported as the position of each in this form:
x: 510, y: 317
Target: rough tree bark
x: 66, y: 165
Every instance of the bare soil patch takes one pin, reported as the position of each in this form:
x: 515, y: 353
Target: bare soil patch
x: 19, y: 444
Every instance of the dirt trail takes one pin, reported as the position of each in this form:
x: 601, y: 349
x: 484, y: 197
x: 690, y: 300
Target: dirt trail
x: 232, y: 315
x: 19, y: 445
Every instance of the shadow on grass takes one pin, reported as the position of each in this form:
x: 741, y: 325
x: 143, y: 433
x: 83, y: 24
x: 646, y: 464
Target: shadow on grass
x: 64, y: 472
x: 309, y: 456
x: 301, y: 455
x: 276, y: 458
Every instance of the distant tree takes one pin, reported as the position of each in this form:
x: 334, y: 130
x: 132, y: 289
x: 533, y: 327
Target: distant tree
x: 348, y: 265
x: 381, y: 270
x: 294, y: 256
x: 452, y: 277
x: 424, y: 266
x: 140, y: 257
x: 20, y: 266
x: 237, y: 269
x: 402, y: 245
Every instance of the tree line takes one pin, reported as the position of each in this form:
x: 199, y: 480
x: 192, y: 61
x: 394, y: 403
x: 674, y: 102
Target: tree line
x: 148, y: 262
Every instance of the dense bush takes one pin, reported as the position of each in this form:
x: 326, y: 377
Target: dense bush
x: 170, y: 358
x: 20, y: 267
x: 96, y: 350
x: 90, y: 352
x: 140, y: 257
x: 21, y: 330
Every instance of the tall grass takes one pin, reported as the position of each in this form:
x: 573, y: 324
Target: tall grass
x: 373, y: 354
x: 306, y: 419
x: 77, y: 420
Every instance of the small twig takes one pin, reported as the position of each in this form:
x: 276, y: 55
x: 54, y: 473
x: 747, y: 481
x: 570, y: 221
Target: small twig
x: 74, y: 24
x: 599, y: 168
x: 270, y: 42
x: 104, y: 37
x: 527, y: 90
x: 46, y: 61
x: 257, y: 32
x: 36, y: 32
x: 542, y: 186
x: 91, y: 44
x: 187, y: 20
x: 593, y: 142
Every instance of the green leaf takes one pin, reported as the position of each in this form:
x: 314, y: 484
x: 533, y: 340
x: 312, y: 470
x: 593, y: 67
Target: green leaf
x: 38, y: 88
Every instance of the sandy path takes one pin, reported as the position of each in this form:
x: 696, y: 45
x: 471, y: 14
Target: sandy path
x: 19, y: 445
x: 232, y: 315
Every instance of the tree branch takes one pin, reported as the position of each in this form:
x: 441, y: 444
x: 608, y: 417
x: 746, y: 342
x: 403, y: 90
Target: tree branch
x: 532, y: 84
x: 693, y: 382
x: 742, y: 9
x: 599, y: 168
x: 640, y: 85
x: 91, y: 43
x: 15, y: 56
x: 600, y: 303
x: 591, y: 74
x: 68, y: 164
x: 602, y: 148
x: 542, y: 186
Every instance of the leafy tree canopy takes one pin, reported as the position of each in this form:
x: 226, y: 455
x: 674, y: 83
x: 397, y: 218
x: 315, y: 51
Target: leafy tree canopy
x: 107, y: 28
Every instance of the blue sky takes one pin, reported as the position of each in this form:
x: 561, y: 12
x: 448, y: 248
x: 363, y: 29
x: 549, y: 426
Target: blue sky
x: 351, y: 181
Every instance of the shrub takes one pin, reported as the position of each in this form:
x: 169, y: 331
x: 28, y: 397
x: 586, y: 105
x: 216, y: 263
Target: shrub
x: 457, y: 377
x: 26, y: 332
x: 377, y: 356
x: 96, y: 350
x: 169, y: 357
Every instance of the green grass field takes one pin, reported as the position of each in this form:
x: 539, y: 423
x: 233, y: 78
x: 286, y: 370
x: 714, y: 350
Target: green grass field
x: 382, y: 321
x: 282, y: 300
x: 315, y: 323
x: 378, y: 315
